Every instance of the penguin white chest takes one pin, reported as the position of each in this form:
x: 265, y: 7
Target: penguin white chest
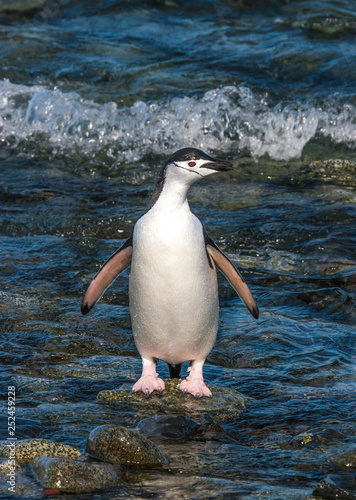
x: 173, y: 290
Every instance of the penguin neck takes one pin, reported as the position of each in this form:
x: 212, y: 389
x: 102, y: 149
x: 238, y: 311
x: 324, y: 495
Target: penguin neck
x: 171, y: 191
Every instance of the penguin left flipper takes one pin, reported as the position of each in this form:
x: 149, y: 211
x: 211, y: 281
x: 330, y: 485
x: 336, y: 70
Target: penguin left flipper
x: 232, y: 275
x: 116, y: 264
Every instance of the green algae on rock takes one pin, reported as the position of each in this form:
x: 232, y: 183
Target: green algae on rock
x: 116, y: 444
x: 71, y: 476
x: 224, y: 405
x: 28, y: 449
x: 316, y: 437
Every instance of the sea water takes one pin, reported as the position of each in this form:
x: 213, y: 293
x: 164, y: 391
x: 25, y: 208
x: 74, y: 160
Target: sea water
x: 94, y: 96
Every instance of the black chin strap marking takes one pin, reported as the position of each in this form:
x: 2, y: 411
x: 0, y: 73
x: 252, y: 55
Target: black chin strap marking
x: 187, y: 169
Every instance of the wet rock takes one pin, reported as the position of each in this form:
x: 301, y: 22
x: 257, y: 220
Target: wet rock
x: 346, y: 459
x: 224, y: 405
x: 332, y: 26
x: 81, y: 345
x: 336, y: 486
x: 21, y: 5
x: 20, y: 487
x: 28, y: 449
x: 334, y: 301
x: 8, y: 466
x: 116, y: 444
x: 169, y: 426
x: 71, y: 476
x: 93, y: 367
x: 340, y: 172
x: 316, y: 437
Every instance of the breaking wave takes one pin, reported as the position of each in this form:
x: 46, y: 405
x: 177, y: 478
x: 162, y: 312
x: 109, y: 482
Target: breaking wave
x: 225, y: 119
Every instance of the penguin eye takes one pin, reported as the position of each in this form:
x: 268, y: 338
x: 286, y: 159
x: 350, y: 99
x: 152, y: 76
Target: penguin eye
x: 192, y: 163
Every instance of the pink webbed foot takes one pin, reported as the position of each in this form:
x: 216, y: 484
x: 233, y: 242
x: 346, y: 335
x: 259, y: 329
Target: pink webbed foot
x: 195, y: 387
x: 148, y: 384
x: 149, y: 381
x: 194, y: 384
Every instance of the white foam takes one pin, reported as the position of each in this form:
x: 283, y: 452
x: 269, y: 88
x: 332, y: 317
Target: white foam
x: 225, y: 119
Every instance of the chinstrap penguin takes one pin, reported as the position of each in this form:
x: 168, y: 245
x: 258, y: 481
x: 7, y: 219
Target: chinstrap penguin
x: 173, y: 288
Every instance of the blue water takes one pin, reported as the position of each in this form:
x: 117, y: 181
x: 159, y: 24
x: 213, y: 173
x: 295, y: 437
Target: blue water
x: 93, y: 98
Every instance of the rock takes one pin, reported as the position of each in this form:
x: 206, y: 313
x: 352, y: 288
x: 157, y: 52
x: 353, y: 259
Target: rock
x: 346, y: 459
x: 340, y: 172
x: 20, y: 487
x: 21, y: 5
x: 316, y: 437
x: 8, y: 466
x: 169, y: 426
x: 116, y: 444
x: 224, y: 405
x: 95, y: 367
x: 330, y: 26
x: 336, y: 486
x: 71, y: 476
x: 28, y: 449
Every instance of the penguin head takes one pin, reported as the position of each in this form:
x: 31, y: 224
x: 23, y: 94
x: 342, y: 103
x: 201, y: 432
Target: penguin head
x: 191, y: 164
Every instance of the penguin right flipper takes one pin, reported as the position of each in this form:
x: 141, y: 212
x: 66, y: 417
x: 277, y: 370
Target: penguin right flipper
x: 232, y: 274
x: 116, y: 264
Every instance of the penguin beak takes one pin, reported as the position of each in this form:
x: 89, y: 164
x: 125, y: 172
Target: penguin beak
x: 218, y: 165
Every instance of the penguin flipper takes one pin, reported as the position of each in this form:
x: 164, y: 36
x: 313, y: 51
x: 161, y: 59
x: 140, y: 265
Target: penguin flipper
x: 232, y: 274
x: 116, y: 264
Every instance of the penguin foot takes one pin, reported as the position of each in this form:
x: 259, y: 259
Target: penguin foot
x: 195, y: 386
x: 149, y: 383
x: 194, y: 383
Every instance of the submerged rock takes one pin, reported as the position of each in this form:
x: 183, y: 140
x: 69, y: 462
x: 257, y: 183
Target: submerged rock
x: 169, y: 426
x: 330, y: 25
x: 346, y: 459
x: 224, y: 405
x: 28, y: 449
x: 316, y: 437
x: 71, y: 476
x: 19, y: 486
x: 340, y: 172
x: 21, y: 5
x: 25, y: 428
x: 336, y: 486
x: 116, y: 444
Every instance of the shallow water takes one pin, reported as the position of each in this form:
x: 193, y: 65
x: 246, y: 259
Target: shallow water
x: 93, y: 97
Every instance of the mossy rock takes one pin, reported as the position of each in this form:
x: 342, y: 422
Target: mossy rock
x: 117, y: 444
x: 330, y: 26
x: 224, y: 405
x: 71, y: 476
x: 8, y: 466
x: 340, y: 172
x: 28, y: 449
x: 320, y: 436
